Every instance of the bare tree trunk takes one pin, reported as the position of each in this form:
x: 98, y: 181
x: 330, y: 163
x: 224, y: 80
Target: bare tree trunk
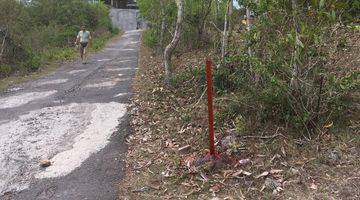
x: 217, y: 9
x: 170, y: 47
x: 230, y: 28
x: 225, y: 32
x: 294, y: 83
x: 3, y: 45
x: 202, y: 22
x: 163, y: 25
x: 249, y: 24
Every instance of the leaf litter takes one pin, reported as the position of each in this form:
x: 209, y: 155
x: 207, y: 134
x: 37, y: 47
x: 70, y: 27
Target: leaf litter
x: 164, y: 120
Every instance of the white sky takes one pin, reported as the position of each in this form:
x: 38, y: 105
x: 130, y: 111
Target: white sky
x: 236, y: 4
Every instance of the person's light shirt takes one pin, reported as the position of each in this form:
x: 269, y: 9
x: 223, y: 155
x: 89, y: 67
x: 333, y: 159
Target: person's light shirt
x: 84, y: 36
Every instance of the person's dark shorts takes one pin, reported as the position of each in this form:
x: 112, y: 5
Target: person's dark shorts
x: 84, y: 44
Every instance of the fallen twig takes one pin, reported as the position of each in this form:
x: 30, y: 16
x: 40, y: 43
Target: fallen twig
x: 261, y: 137
x: 143, y: 189
x: 216, y: 28
x: 202, y: 95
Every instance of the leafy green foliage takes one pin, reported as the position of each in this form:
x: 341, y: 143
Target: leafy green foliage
x: 151, y: 38
x: 197, y: 14
x: 257, y: 75
x: 264, y: 77
x: 5, y: 70
x: 45, y: 31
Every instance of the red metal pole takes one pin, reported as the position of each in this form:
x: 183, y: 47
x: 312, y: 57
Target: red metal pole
x: 210, y: 107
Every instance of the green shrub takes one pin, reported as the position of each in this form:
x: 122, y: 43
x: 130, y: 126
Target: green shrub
x: 114, y: 30
x: 46, y: 30
x: 5, y: 70
x: 151, y: 38
x: 265, y: 76
x: 99, y: 43
x: 33, y: 63
x: 56, y: 54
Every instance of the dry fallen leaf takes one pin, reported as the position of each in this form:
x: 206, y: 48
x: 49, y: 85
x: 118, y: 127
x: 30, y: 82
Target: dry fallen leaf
x: 246, y: 173
x: 283, y: 151
x: 166, y: 173
x: 329, y: 125
x: 277, y: 190
x: 227, y: 173
x: 216, y: 188
x: 185, y: 149
x: 155, y: 185
x: 204, y: 177
x: 262, y: 174
x: 274, y: 157
x: 313, y: 186
x: 244, y: 161
x: 276, y: 171
x: 241, y: 172
x: 188, y: 160
x: 236, y: 174
x: 190, y: 193
x: 169, y: 143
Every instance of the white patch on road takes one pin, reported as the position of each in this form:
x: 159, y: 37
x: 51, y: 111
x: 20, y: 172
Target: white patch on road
x: 128, y: 50
x: 3, y: 121
x: 122, y: 61
x: 132, y: 32
x: 112, y: 49
x: 128, y: 58
x: 76, y: 71
x: 50, y: 82
x: 101, y: 60
x: 119, y: 49
x: 14, y: 89
x: 103, y: 84
x: 67, y: 135
x: 22, y: 99
x: 118, y: 69
x: 111, y: 83
x: 34, y: 136
x: 120, y: 94
x: 104, y: 120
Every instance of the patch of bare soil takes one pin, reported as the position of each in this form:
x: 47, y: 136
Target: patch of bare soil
x: 170, y: 136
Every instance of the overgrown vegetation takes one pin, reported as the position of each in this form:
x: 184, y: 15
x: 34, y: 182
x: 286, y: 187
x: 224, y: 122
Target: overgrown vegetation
x: 164, y: 119
x: 287, y: 89
x: 44, y: 31
x: 284, y: 40
x: 280, y: 70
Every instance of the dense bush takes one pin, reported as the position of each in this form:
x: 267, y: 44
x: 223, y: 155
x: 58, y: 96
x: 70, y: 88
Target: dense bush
x: 279, y: 72
x: 42, y: 30
x: 281, y: 39
x: 151, y: 38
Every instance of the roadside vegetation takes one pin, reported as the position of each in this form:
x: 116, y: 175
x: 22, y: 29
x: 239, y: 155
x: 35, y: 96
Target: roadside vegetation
x: 286, y: 79
x: 35, y: 34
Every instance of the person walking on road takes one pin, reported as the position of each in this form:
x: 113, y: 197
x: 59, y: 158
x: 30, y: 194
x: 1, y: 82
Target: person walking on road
x: 83, y: 38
